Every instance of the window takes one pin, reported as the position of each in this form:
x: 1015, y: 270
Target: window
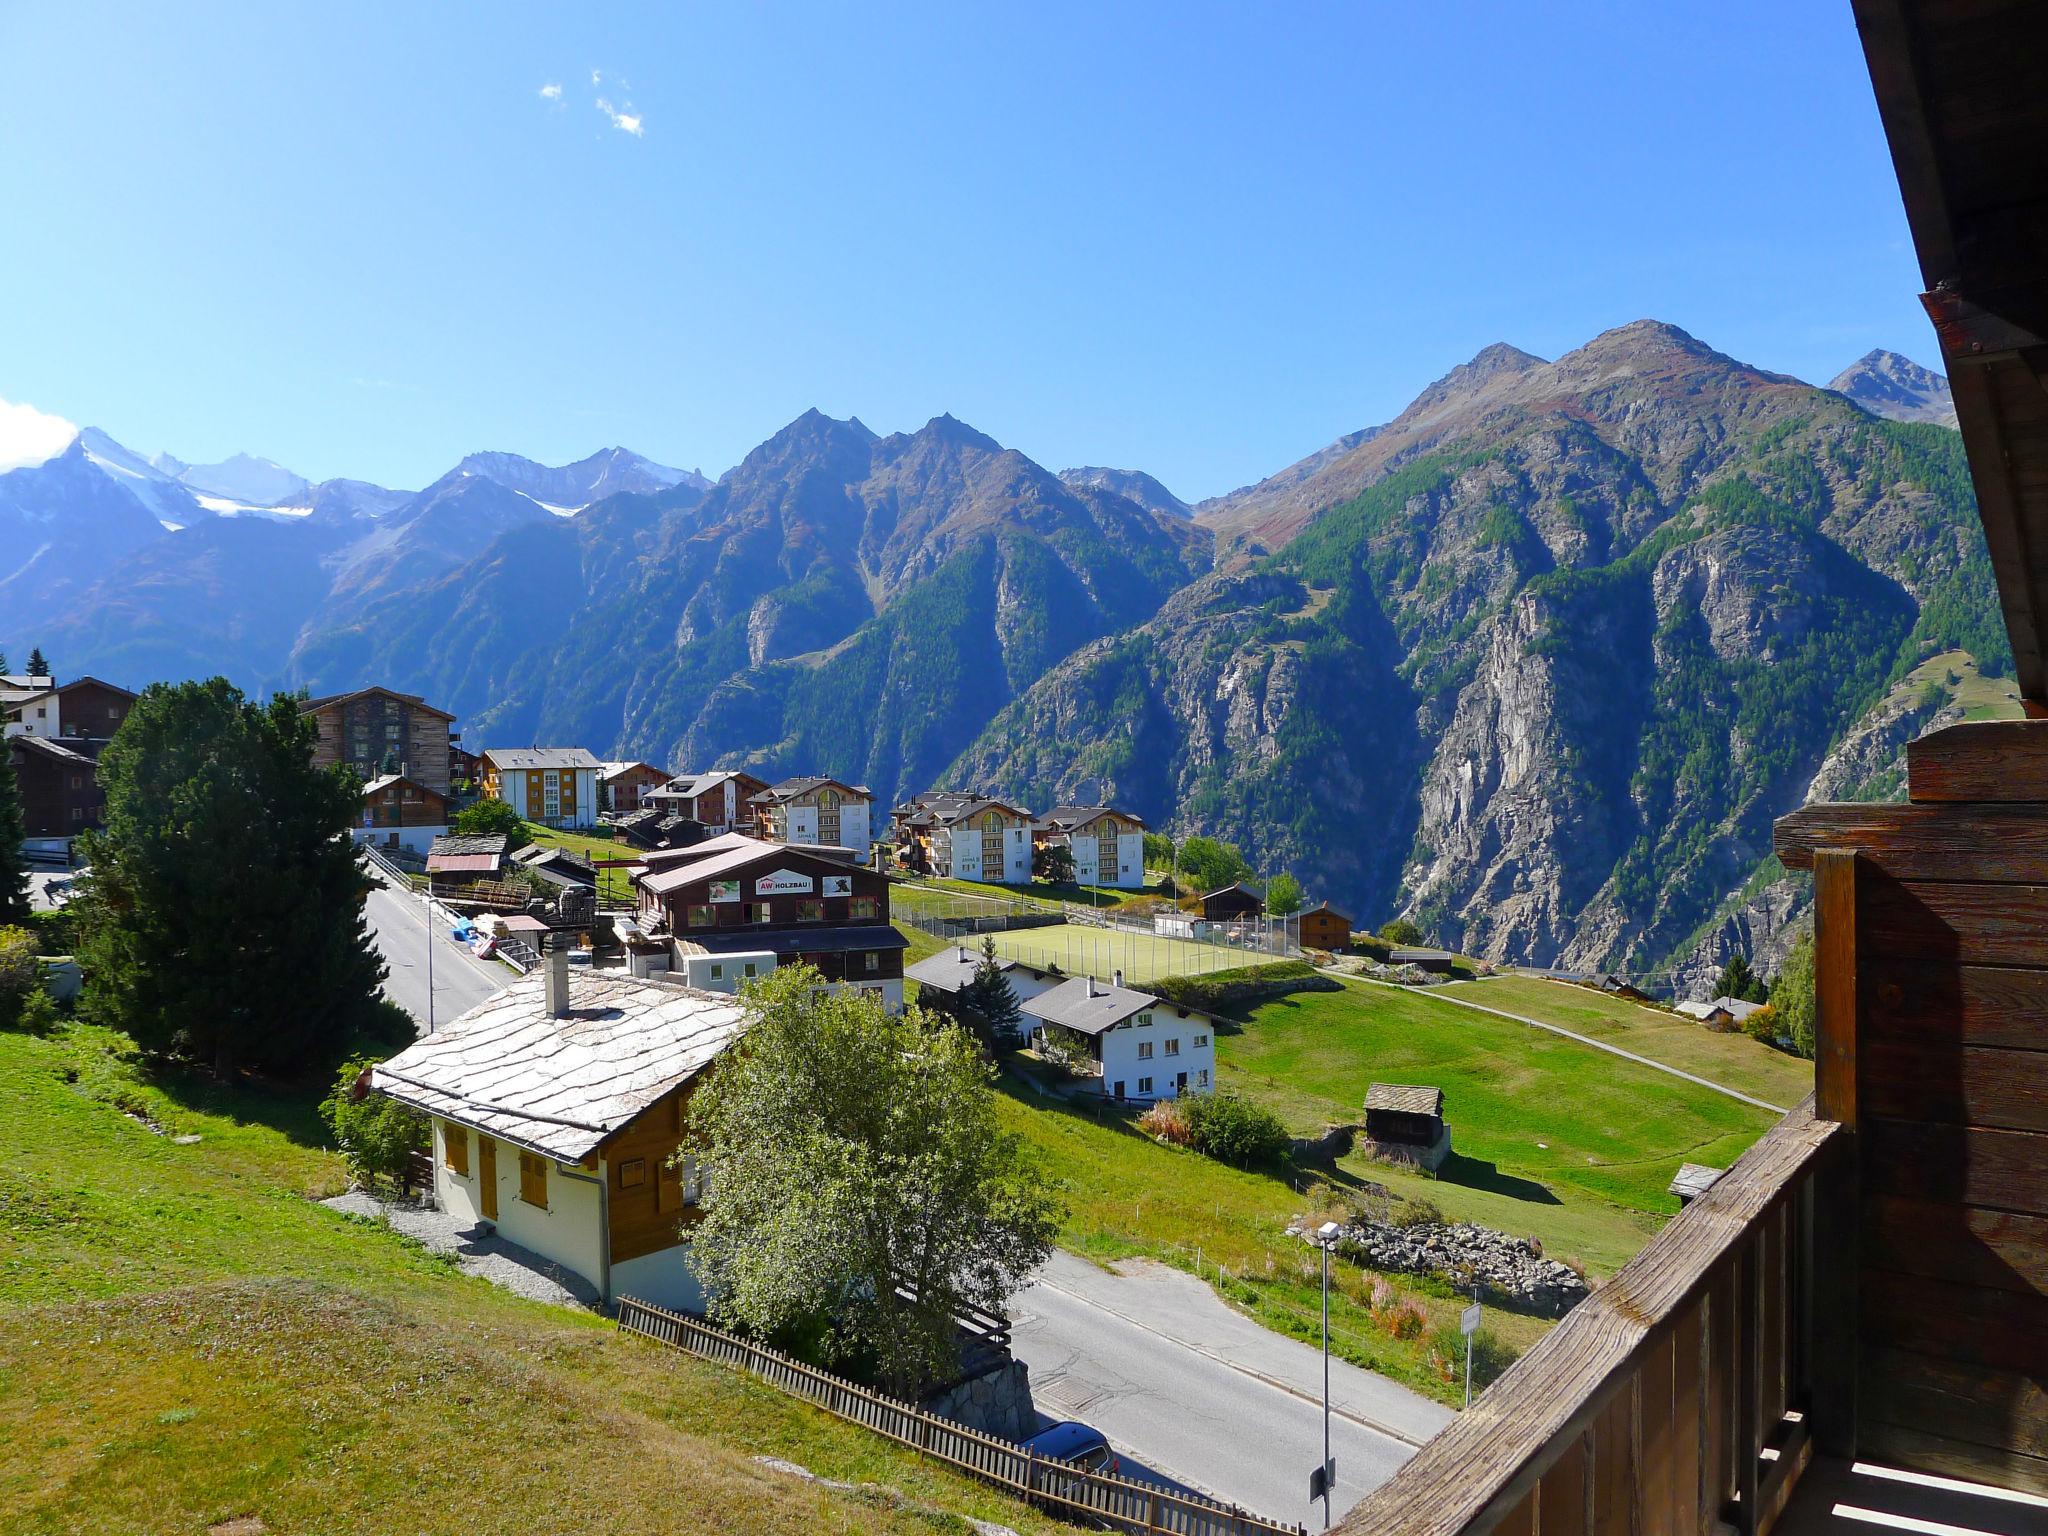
x: 1144, y: 1050
x: 695, y: 1185
x: 455, y: 1148
x: 760, y: 911
x: 718, y: 973
x: 1173, y: 1046
x: 1202, y: 1077
x: 699, y: 916
x: 533, y: 1179
x: 874, y: 960
x: 1143, y: 1021
x: 866, y: 907
x: 750, y: 967
x: 810, y: 911
x: 1201, y: 1040
x: 633, y: 1173
x: 1144, y: 1085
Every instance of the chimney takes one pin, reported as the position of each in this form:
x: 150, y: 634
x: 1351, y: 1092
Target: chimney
x: 1091, y: 984
x: 1118, y: 974
x: 556, y: 960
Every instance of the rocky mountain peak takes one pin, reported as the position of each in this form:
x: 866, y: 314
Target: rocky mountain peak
x: 1132, y: 485
x: 1886, y: 384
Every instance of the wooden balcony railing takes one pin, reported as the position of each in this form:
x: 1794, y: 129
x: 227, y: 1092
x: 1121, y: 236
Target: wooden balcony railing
x: 1689, y: 1390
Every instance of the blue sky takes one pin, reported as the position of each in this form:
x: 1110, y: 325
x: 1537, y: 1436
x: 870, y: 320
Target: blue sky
x: 1200, y: 241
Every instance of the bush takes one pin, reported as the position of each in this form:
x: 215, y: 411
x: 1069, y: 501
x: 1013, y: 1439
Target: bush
x: 21, y: 973
x: 487, y: 818
x: 1491, y: 1355
x: 38, y: 1013
x: 1401, y: 931
x: 1234, y: 1130
x: 1762, y: 1025
x: 1397, y: 1316
x: 1418, y: 1211
x: 1164, y: 1122
x: 375, y: 1133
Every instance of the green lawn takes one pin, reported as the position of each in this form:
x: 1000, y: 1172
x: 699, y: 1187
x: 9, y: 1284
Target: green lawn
x: 1734, y: 1060
x: 186, y: 1339
x: 1982, y: 698
x: 612, y: 884
x: 1079, y: 950
x: 1039, y: 893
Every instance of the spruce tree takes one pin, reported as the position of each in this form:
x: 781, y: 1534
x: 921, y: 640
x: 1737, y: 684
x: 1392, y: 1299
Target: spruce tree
x: 989, y: 999
x: 13, y: 866
x: 222, y: 918
x: 37, y: 666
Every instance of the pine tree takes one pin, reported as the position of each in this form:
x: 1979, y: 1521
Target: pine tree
x: 13, y: 867
x: 989, y: 999
x: 1739, y: 981
x: 37, y: 666
x: 222, y: 917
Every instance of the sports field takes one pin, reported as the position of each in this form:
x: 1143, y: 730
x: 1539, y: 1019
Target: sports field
x: 1142, y: 957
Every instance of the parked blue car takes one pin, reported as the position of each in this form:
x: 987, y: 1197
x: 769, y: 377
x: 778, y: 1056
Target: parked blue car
x: 1077, y: 1443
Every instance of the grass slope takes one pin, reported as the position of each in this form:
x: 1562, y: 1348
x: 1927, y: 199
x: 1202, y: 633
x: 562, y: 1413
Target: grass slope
x: 186, y: 1339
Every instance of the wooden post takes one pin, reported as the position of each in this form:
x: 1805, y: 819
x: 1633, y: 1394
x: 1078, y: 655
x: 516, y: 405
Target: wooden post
x: 1748, y: 1388
x: 1834, y: 980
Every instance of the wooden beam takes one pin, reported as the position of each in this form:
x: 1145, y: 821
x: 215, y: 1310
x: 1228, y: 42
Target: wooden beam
x: 1941, y: 841
x: 1834, y: 977
x: 1985, y: 761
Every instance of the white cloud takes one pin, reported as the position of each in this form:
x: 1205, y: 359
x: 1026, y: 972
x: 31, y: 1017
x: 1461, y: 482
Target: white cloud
x: 597, y: 77
x: 552, y: 91
x: 29, y: 436
x: 626, y: 120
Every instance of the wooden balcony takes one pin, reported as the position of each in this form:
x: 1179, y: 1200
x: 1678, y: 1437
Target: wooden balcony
x: 1850, y: 1328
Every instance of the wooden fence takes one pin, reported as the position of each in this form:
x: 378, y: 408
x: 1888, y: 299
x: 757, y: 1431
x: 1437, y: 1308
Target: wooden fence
x: 1684, y: 1395
x: 1098, y: 1497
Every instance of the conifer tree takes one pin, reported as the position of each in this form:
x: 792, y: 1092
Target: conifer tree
x: 222, y: 917
x: 989, y: 999
x: 37, y: 666
x: 13, y: 867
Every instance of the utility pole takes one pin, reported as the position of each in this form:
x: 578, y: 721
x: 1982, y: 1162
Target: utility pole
x: 430, y: 957
x: 1326, y: 1234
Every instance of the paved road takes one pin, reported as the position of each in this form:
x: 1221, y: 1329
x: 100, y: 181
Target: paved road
x: 398, y: 926
x: 1203, y: 1396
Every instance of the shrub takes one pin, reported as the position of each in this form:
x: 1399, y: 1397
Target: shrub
x: 1401, y: 931
x: 20, y: 971
x: 1241, y: 984
x: 1762, y: 1025
x: 1234, y: 1130
x: 1415, y: 1212
x: 1062, y: 1047
x: 38, y: 1013
x: 1491, y: 1355
x: 1395, y: 1315
x: 376, y: 1134
x: 488, y: 817
x: 1164, y: 1122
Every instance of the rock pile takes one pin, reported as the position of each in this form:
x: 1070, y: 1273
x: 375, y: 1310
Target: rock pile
x: 1513, y: 1273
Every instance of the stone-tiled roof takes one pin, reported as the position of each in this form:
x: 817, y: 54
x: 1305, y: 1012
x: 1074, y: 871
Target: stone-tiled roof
x: 541, y: 757
x: 1406, y: 1099
x: 560, y: 1086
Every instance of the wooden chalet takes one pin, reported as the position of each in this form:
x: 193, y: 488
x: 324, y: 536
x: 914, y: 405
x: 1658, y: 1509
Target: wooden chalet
x: 1232, y: 903
x: 1859, y: 1306
x: 1411, y: 1114
x: 1324, y: 927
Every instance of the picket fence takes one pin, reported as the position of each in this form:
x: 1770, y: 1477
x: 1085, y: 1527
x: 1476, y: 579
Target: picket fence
x: 1096, y: 1497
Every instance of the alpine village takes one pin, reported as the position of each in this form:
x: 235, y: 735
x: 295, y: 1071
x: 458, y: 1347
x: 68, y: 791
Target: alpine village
x: 1494, y: 980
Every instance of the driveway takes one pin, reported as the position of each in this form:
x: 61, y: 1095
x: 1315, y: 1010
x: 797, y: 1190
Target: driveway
x: 1204, y: 1396
x: 399, y: 928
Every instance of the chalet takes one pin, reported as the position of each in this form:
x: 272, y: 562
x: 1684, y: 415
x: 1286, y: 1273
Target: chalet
x: 455, y: 859
x: 557, y: 1109
x: 379, y: 731
x: 1848, y: 1330
x: 557, y: 866
x: 92, y: 709
x: 60, y: 789
x: 1691, y: 1181
x: 979, y: 839
x: 555, y: 786
x: 400, y: 813
x: 1438, y: 962
x: 1232, y: 904
x: 1617, y: 986
x: 720, y: 801
x: 1406, y: 1121
x: 941, y: 977
x: 1142, y: 1047
x: 912, y: 824
x: 1721, y: 1012
x: 623, y: 787
x: 29, y: 705
x: 814, y: 810
x: 464, y: 767
x: 735, y: 895
x: 1322, y: 926
x: 1108, y: 845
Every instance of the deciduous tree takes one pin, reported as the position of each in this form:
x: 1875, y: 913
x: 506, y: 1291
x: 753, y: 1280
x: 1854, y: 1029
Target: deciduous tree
x: 851, y: 1157
x: 489, y: 817
x: 1792, y: 995
x: 1283, y: 895
x: 222, y: 916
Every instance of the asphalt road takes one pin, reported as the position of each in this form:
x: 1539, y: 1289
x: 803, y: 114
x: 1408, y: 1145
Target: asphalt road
x: 398, y: 926
x: 1189, y: 1391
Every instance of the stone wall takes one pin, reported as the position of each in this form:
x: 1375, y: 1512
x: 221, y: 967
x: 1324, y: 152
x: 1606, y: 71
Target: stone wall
x: 1512, y: 1273
x: 996, y: 1402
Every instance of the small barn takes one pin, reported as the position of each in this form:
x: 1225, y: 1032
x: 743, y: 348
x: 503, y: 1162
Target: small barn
x: 1324, y: 927
x: 1232, y: 903
x: 1404, y: 1122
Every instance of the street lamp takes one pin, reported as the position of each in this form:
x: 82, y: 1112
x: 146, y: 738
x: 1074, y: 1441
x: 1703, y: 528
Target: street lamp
x: 1326, y: 1239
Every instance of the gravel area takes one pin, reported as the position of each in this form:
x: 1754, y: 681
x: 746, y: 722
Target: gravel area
x: 480, y: 1251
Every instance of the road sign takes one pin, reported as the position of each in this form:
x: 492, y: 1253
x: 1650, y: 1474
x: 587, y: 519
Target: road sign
x: 1468, y: 1321
x: 1322, y: 1480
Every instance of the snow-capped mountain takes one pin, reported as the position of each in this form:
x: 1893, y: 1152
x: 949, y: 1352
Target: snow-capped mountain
x: 242, y: 480
x: 572, y: 487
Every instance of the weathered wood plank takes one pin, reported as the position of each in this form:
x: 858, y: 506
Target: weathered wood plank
x: 1564, y: 1503
x: 1835, y: 984
x: 1656, y: 1420
x: 1615, y: 1490
x: 1923, y: 842
x: 2000, y: 1249
x: 1984, y: 1405
x: 1917, y: 1451
x: 1973, y: 1324
x: 2004, y: 1090
x: 1688, y: 1423
x: 1962, y: 924
x: 2001, y: 1170
x: 2002, y: 761
x: 1909, y: 1002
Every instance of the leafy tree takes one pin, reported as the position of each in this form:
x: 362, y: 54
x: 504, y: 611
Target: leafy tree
x: 37, y: 666
x: 1283, y: 895
x: 21, y: 973
x: 222, y: 916
x: 375, y: 1132
x: 1738, y: 980
x: 1233, y: 1129
x: 13, y: 867
x: 1208, y: 864
x: 850, y: 1156
x: 1401, y: 931
x: 1054, y: 862
x: 989, y: 1000
x: 487, y: 818
x: 1792, y: 996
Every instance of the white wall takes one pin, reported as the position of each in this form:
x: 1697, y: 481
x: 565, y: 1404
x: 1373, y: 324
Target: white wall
x: 1121, y: 1061
x: 570, y: 1231
x: 48, y: 723
x: 415, y: 839
x: 723, y: 973
x: 1130, y: 860
x: 667, y: 1278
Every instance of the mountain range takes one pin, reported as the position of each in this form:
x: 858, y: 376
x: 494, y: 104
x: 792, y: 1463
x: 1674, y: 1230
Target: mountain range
x: 1536, y: 662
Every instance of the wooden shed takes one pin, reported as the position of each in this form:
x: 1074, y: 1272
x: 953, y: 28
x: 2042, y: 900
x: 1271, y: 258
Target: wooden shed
x: 1408, y: 1114
x: 1232, y: 903
x: 1324, y: 927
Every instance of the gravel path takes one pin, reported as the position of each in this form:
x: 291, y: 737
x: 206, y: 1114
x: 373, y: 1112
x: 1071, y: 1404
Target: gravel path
x: 480, y: 1252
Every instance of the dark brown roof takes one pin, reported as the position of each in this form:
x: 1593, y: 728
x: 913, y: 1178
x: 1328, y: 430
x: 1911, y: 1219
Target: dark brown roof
x: 390, y: 693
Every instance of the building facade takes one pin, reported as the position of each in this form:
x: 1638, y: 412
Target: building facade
x: 1142, y: 1047
x: 982, y: 840
x: 720, y: 801
x: 622, y: 788
x: 378, y: 731
x: 1108, y: 845
x: 400, y: 814
x: 554, y: 786
x: 60, y: 789
x: 824, y: 812
x: 29, y: 706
